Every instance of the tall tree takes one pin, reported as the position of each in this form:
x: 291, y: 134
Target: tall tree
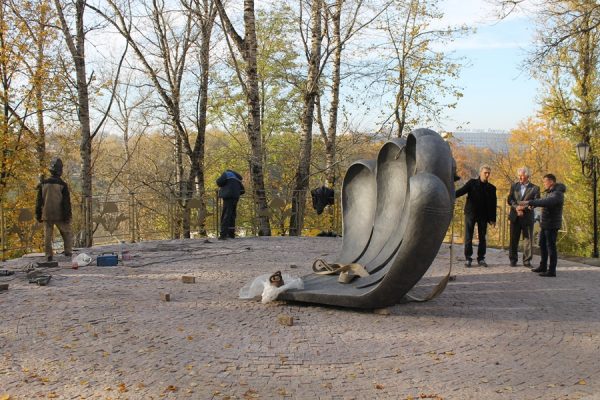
x: 131, y: 119
x: 415, y: 72
x: 36, y: 19
x: 205, y: 13
x: 74, y: 11
x: 340, y: 21
x: 13, y: 127
x: 30, y: 82
x: 248, y: 76
x: 346, y: 18
x: 76, y: 44
x: 171, y: 44
x: 309, y: 95
x: 566, y: 59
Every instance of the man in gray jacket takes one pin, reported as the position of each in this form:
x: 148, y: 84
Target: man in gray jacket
x: 53, y: 207
x: 521, y: 218
x: 551, y: 221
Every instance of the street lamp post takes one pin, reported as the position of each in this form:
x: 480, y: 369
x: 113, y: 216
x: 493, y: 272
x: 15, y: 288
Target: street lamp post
x: 589, y: 168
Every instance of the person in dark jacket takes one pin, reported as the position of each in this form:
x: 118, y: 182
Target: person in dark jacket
x: 480, y: 209
x: 551, y: 221
x: 53, y: 207
x: 230, y: 190
x: 521, y: 217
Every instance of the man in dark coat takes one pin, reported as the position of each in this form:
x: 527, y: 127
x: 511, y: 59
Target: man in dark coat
x: 230, y: 190
x: 53, y: 207
x: 521, y: 218
x: 551, y: 221
x: 480, y: 209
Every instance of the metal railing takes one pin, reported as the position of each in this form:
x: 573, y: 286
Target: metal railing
x: 498, y: 236
x: 135, y: 217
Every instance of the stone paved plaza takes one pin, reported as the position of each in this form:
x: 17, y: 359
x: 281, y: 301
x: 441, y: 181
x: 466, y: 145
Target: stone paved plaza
x: 105, y: 332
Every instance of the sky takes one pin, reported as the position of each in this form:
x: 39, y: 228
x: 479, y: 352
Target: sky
x: 498, y: 93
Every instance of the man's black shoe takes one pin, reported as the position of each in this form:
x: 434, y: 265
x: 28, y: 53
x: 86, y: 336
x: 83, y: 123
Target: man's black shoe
x: 547, y: 273
x: 482, y: 263
x: 222, y: 237
x: 468, y: 263
x: 527, y: 265
x: 539, y: 269
x: 513, y: 264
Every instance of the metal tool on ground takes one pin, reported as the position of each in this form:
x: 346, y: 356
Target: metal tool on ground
x: 47, y: 264
x: 41, y: 280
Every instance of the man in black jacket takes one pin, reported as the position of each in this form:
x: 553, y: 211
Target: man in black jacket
x: 53, y: 207
x: 480, y: 209
x: 230, y: 190
x: 521, y: 217
x: 550, y: 223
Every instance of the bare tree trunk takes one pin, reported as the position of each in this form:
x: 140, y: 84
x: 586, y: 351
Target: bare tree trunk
x: 76, y: 45
x: 331, y: 136
x: 309, y: 97
x: 206, y: 13
x: 180, y: 185
x: 404, y: 49
x: 248, y: 49
x: 199, y: 151
x: 40, y: 145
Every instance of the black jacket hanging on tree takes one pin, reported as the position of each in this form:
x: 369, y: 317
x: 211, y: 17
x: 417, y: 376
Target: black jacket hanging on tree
x: 322, y: 197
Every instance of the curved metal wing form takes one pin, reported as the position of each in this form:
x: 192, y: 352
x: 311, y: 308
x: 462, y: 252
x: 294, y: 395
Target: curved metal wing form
x: 395, y: 163
x: 414, y: 201
x: 359, y: 199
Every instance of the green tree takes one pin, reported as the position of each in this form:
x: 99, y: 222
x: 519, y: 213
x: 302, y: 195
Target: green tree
x: 566, y: 60
x: 73, y: 11
x: 247, y: 47
x: 20, y: 80
x: 310, y: 90
x: 414, y: 69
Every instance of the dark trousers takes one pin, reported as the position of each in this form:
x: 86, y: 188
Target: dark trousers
x: 516, y: 229
x: 470, y: 222
x: 228, y: 217
x: 548, y: 249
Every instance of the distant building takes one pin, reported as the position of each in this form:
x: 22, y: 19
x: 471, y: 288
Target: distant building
x: 495, y: 140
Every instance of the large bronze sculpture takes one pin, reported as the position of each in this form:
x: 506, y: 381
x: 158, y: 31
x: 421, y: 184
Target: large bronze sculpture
x: 396, y: 212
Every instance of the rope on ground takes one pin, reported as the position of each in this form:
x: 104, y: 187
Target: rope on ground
x: 347, y: 272
x: 441, y: 286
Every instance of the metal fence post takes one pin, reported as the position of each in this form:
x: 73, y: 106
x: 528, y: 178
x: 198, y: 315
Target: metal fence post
x: 170, y: 217
x: 3, y: 233
x: 502, y: 227
x: 217, y: 212
x: 132, y: 220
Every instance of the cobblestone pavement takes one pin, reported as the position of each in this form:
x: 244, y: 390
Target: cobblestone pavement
x: 104, y: 332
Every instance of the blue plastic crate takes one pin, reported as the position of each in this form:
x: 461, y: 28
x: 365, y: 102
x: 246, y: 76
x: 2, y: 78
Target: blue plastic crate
x: 107, y: 260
